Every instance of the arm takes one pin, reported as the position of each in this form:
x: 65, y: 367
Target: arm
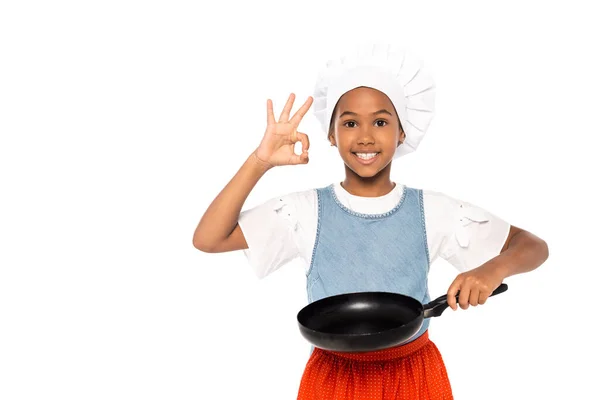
x: 522, y: 252
x: 218, y: 229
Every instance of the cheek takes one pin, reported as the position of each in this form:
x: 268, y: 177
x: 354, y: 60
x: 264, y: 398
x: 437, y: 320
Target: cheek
x: 389, y: 138
x: 340, y: 137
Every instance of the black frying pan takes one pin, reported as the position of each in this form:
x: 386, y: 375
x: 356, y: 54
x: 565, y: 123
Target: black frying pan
x: 367, y: 321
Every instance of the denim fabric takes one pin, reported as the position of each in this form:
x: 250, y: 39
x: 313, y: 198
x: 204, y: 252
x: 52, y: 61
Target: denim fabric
x: 356, y: 252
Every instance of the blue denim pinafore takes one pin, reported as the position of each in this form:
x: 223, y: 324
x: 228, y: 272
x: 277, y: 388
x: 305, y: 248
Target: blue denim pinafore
x: 356, y: 252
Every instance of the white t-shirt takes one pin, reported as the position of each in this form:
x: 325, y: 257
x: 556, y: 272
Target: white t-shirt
x: 285, y: 227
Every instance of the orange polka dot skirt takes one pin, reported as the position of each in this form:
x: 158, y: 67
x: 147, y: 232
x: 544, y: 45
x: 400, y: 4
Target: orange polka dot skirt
x: 414, y: 371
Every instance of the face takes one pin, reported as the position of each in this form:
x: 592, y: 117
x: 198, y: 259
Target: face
x: 366, y: 130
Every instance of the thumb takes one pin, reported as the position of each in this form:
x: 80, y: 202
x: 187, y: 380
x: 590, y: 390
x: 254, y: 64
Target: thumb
x: 299, y: 159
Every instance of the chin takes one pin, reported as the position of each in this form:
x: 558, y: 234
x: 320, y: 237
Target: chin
x: 365, y: 171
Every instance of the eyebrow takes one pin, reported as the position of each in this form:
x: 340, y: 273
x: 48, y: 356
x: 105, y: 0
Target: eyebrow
x: 382, y: 111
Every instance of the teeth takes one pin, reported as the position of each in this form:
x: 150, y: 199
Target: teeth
x: 366, y: 156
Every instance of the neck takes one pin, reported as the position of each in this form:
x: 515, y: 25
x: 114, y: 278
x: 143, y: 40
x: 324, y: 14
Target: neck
x: 374, y: 186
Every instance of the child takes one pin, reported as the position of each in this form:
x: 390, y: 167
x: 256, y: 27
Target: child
x: 367, y: 233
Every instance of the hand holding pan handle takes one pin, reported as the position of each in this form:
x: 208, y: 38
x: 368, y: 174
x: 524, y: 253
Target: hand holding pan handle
x: 436, y: 307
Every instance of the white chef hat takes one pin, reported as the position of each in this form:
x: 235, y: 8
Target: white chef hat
x: 390, y: 69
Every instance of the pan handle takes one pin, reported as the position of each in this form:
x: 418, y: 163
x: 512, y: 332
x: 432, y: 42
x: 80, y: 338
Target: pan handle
x: 436, y: 307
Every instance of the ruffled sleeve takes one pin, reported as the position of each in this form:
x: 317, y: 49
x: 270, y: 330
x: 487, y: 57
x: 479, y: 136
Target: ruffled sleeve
x: 269, y: 231
x: 463, y: 234
x: 466, y: 216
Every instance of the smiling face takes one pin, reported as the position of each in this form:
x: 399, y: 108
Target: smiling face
x: 366, y: 130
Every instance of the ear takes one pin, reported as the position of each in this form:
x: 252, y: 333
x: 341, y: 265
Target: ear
x: 331, y: 138
x: 401, y: 138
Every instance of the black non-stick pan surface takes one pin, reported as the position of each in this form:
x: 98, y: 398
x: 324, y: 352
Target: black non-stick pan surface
x: 367, y: 321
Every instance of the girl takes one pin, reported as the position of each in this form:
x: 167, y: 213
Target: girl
x: 367, y: 233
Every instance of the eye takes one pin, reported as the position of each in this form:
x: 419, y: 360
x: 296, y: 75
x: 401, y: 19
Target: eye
x: 353, y: 122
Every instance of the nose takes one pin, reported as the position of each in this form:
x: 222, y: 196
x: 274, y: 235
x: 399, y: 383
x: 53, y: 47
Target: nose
x: 366, y: 136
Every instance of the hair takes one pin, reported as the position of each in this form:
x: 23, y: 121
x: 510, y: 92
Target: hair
x: 330, y: 131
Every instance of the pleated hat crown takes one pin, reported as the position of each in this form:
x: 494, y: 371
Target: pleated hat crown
x: 390, y: 69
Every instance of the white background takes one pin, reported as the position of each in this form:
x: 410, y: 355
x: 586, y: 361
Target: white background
x: 122, y: 120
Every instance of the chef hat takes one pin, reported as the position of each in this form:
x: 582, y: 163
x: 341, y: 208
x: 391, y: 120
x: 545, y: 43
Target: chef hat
x: 389, y: 69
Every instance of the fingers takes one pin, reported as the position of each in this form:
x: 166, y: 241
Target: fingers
x: 472, y: 290
x: 463, y: 297
x: 270, y: 115
x: 452, y: 291
x: 300, y: 159
x: 304, y: 139
x: 461, y: 287
x: 302, y: 111
x: 474, y: 297
x: 285, y: 114
x: 482, y: 297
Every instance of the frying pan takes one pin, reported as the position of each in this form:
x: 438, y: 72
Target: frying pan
x: 367, y: 321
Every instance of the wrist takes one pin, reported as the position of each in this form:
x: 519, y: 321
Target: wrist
x: 263, y: 165
x: 498, y: 269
